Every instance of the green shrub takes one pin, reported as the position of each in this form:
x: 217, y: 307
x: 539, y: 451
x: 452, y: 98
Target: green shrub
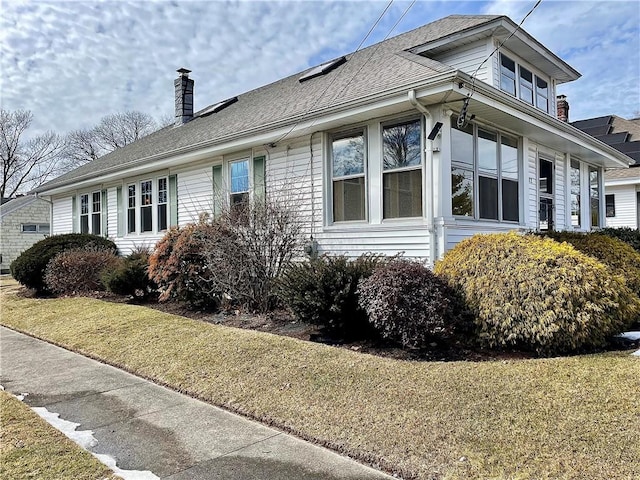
x: 628, y: 235
x: 323, y: 292
x: 614, y: 253
x: 178, y: 267
x: 408, y: 304
x: 535, y: 293
x: 78, y: 271
x: 29, y: 267
x: 130, y: 276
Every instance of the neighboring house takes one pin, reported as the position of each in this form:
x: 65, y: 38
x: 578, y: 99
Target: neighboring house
x: 23, y: 222
x: 622, y: 187
x: 409, y: 145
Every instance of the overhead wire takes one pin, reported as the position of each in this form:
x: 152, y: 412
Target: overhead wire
x: 461, y: 119
x: 319, y: 97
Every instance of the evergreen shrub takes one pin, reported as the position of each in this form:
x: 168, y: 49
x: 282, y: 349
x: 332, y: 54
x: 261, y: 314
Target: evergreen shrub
x: 408, y: 304
x: 628, y: 235
x: 78, y: 271
x: 29, y: 268
x: 535, y: 293
x: 614, y: 253
x: 130, y: 276
x: 323, y: 292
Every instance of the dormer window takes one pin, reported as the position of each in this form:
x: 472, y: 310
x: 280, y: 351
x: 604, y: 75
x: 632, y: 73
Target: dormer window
x: 529, y: 88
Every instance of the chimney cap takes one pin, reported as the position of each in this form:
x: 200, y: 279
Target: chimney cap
x: 183, y: 72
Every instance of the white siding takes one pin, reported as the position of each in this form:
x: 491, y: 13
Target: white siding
x: 112, y: 213
x: 560, y: 194
x: 532, y: 187
x: 468, y: 58
x: 458, y: 233
x: 626, y: 204
x: 62, y: 221
x: 195, y: 194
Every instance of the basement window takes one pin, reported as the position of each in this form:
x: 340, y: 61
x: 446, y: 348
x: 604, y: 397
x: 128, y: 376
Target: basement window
x: 322, y: 69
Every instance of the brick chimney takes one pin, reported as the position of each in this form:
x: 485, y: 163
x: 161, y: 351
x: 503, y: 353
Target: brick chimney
x: 184, y: 97
x: 563, y: 108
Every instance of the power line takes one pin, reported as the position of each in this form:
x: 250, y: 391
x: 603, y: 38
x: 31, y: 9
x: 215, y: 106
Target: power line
x: 463, y: 113
x: 285, y: 135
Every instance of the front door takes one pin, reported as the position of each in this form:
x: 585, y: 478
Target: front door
x: 545, y: 189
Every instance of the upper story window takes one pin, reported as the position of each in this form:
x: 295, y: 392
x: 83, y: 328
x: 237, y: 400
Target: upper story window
x: 528, y: 87
x: 484, y: 174
x: 402, y: 170
x: 239, y: 182
x: 348, y: 160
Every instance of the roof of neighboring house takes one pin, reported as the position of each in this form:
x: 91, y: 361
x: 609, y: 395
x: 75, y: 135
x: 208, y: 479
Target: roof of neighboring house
x: 623, y: 173
x: 16, y: 204
x: 372, y: 71
x: 620, y: 133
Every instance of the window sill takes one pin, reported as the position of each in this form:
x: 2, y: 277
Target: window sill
x: 414, y: 223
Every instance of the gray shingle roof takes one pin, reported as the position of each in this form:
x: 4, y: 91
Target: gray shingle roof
x: 623, y: 173
x: 372, y: 70
x: 16, y: 204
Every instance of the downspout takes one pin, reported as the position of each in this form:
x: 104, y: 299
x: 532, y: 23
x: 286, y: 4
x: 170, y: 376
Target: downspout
x: 311, y: 248
x: 428, y: 153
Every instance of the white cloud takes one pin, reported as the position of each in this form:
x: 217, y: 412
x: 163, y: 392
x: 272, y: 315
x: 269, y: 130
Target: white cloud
x: 73, y: 62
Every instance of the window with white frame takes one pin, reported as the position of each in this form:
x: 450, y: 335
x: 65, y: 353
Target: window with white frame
x: 239, y: 172
x: 402, y: 169
x: 96, y: 217
x: 84, y: 213
x: 162, y: 204
x: 131, y: 208
x: 484, y: 173
x: 528, y: 87
x: 42, y: 228
x: 348, y: 160
x: 594, y: 188
x: 610, y: 205
x: 576, y: 220
x: 146, y: 206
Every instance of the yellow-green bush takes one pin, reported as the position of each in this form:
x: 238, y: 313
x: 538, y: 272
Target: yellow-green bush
x: 614, y: 253
x: 535, y: 293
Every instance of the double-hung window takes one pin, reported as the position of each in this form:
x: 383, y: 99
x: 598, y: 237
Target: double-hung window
x: 162, y: 204
x: 348, y: 160
x: 542, y: 94
x: 146, y: 206
x: 402, y: 170
x: 507, y: 74
x: 526, y: 85
x: 84, y: 213
x: 484, y: 174
x: 96, y: 217
x: 131, y: 208
x: 239, y: 182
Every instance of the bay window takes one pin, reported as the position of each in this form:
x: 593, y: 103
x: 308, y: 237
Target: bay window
x: 348, y: 176
x: 402, y: 170
x: 484, y: 174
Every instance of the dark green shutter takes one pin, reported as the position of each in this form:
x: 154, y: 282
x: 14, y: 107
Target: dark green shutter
x: 173, y: 200
x: 217, y: 190
x: 74, y: 214
x: 120, y: 212
x: 104, y: 212
x: 259, y: 173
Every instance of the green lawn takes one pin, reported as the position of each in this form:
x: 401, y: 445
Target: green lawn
x: 575, y: 417
x: 31, y: 448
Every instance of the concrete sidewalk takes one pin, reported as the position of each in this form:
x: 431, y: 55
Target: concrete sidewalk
x: 148, y: 427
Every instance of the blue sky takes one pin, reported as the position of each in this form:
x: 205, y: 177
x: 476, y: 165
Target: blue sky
x: 72, y: 62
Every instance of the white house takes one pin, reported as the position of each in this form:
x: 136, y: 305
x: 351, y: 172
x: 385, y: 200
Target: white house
x: 622, y: 187
x: 409, y: 145
x: 23, y: 222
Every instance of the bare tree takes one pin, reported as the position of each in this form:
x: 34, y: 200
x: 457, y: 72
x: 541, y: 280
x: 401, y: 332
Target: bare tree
x: 26, y: 162
x: 120, y: 129
x: 113, y: 131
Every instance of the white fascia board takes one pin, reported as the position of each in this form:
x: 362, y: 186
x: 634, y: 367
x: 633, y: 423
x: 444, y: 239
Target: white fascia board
x: 210, y: 151
x: 510, y: 105
x: 622, y: 182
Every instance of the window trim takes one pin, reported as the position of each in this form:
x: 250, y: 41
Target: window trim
x: 37, y: 228
x: 91, y: 212
x: 137, y: 200
x: 340, y: 135
x: 498, y: 176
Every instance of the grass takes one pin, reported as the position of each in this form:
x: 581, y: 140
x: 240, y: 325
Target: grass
x: 31, y: 448
x: 574, y: 417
